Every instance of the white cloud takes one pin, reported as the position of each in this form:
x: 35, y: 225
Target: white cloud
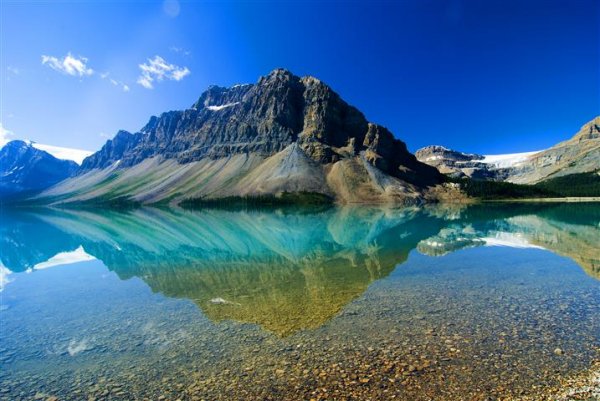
x: 70, y: 65
x: 157, y: 69
x: 145, y: 82
x: 180, y: 50
x: 77, y: 155
x: 13, y: 70
x: 5, y: 135
x: 178, y: 75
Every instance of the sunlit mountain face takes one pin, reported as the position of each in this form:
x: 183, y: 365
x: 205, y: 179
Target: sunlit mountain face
x: 429, y: 296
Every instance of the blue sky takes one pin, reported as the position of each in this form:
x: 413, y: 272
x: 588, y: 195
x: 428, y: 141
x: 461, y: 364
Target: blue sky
x: 480, y: 76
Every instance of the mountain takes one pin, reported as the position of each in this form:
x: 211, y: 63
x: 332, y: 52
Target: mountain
x: 282, y: 134
x: 580, y: 154
x: 25, y: 169
x: 458, y: 164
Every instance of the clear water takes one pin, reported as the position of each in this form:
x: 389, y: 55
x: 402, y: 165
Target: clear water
x: 437, y: 303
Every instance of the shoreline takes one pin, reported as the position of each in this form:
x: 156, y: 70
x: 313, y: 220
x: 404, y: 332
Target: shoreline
x: 570, y: 199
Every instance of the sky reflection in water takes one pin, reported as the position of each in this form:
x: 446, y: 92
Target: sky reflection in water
x: 292, y: 274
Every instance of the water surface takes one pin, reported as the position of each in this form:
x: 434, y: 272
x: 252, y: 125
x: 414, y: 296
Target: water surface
x: 442, y: 303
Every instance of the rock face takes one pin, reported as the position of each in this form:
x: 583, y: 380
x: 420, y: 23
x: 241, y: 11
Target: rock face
x: 580, y: 154
x: 282, y: 134
x: 25, y: 170
x: 458, y: 164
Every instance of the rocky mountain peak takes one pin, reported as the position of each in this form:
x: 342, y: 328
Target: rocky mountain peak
x: 279, y: 74
x: 436, y: 152
x: 459, y: 164
x: 294, y: 134
x: 24, y: 169
x: 590, y: 130
x: 281, y: 108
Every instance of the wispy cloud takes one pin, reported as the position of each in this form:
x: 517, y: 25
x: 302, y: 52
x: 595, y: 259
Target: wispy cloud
x: 70, y: 65
x: 171, y: 8
x: 5, y: 135
x: 157, y: 69
x: 13, y: 70
x: 119, y: 84
x: 180, y: 50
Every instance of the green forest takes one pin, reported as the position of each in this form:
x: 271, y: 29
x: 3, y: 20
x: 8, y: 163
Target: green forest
x: 574, y: 185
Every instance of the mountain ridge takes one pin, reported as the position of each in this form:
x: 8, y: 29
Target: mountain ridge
x: 286, y: 135
x: 26, y: 169
x: 282, y: 134
x: 578, y: 154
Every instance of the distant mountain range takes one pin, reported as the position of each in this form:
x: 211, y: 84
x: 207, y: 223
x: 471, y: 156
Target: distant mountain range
x: 580, y: 154
x: 25, y: 169
x: 282, y: 135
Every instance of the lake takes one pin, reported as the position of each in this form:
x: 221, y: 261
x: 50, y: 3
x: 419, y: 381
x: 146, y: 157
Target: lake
x: 452, y: 302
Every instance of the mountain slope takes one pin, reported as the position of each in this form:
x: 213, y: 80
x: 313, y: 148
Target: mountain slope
x: 282, y: 134
x: 25, y: 169
x: 580, y: 154
x: 458, y: 164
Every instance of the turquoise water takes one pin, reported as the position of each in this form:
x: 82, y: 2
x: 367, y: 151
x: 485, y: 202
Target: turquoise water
x: 340, y: 303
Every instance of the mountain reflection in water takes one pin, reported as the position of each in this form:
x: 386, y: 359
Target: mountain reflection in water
x: 290, y: 269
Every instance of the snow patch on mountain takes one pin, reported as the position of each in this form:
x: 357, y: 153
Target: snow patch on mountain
x: 221, y: 107
x: 507, y: 160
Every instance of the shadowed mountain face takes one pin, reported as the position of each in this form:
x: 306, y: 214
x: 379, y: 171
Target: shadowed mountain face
x: 286, y: 270
x: 282, y: 134
x: 25, y: 170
